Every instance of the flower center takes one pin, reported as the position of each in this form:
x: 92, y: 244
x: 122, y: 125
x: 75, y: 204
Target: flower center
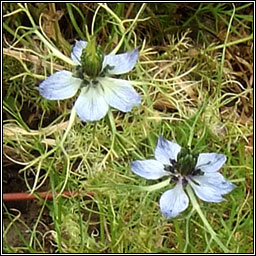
x: 91, y: 65
x: 186, y: 162
x: 184, y: 166
x: 91, y: 60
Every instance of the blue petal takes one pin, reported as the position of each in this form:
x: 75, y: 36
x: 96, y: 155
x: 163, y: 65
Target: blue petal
x: 149, y: 169
x: 166, y: 150
x: 210, y: 162
x: 61, y: 85
x: 90, y: 105
x: 174, y: 201
x: 121, y: 63
x: 77, y: 51
x: 215, y: 180
x: 119, y: 93
x: 207, y: 192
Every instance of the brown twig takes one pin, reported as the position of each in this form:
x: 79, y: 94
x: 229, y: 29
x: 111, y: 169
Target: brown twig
x: 31, y: 58
x: 23, y: 196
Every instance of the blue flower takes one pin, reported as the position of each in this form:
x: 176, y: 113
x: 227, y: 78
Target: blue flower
x: 99, y: 91
x: 201, y: 172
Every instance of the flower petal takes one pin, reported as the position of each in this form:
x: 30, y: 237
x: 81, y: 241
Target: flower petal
x: 90, y: 105
x: 216, y: 180
x: 119, y: 93
x: 60, y: 85
x: 166, y: 150
x: 207, y: 192
x: 174, y: 201
x: 149, y: 169
x: 210, y: 162
x: 77, y: 51
x: 121, y: 63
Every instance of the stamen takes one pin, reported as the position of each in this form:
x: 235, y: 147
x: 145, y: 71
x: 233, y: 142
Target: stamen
x: 104, y: 72
x: 174, y: 179
x: 197, y: 172
x: 169, y: 168
x: 85, y: 83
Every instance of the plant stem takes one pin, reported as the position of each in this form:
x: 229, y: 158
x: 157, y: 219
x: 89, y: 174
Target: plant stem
x: 206, y: 223
x: 157, y: 186
x: 54, y: 50
x: 73, y: 20
x: 70, y: 123
x: 194, y: 124
x: 242, y: 40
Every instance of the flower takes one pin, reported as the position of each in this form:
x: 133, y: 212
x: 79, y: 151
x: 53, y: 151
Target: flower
x: 98, y: 90
x: 201, y: 172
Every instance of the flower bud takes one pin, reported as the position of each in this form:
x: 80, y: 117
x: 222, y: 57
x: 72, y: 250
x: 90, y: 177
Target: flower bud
x: 91, y: 59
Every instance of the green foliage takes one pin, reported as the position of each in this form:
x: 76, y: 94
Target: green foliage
x: 187, y: 83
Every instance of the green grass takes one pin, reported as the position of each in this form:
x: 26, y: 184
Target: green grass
x: 181, y: 67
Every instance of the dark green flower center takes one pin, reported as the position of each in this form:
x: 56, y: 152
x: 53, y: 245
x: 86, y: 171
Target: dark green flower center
x: 91, y: 64
x: 185, y: 164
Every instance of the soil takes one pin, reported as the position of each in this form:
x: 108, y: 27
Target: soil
x: 27, y: 211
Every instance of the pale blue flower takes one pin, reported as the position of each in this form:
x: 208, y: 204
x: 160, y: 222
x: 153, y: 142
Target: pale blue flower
x: 201, y: 172
x: 97, y: 93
